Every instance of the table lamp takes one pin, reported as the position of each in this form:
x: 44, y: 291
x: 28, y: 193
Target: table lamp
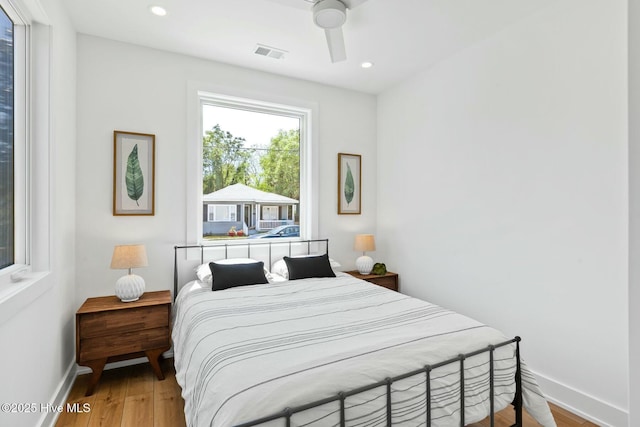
x: 130, y: 286
x: 364, y: 243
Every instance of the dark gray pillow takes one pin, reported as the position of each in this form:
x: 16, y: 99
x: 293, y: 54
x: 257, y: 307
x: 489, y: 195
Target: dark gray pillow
x: 311, y: 266
x: 227, y: 276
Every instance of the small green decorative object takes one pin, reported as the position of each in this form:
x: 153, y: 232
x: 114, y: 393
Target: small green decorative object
x: 379, y: 269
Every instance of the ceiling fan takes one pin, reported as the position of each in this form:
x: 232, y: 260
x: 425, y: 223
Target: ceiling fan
x: 330, y: 15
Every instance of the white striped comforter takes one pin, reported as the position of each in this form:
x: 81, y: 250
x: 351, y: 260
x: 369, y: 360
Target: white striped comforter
x: 250, y: 351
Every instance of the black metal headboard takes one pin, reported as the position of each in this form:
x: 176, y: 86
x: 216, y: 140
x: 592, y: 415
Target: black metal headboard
x: 288, y: 245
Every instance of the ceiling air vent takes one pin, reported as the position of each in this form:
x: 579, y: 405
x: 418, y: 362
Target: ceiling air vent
x: 269, y: 51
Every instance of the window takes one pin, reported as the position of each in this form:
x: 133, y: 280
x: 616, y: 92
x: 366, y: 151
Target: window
x: 270, y: 104
x: 270, y: 212
x: 13, y: 137
x: 254, y: 153
x: 221, y: 212
x: 7, y: 223
x: 28, y: 244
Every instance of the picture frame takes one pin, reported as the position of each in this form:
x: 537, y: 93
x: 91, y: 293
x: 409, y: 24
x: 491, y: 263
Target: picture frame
x: 133, y: 173
x: 349, y: 184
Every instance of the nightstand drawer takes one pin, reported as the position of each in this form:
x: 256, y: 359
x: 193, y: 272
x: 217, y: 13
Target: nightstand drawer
x: 121, y: 321
x: 387, y: 282
x: 125, y: 343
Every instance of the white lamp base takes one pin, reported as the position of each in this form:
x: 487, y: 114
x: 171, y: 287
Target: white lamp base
x: 364, y: 264
x: 129, y: 288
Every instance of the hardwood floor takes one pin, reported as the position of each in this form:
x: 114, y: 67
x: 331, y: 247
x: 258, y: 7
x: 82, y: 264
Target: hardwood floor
x: 133, y: 397
x: 563, y: 418
x: 130, y: 396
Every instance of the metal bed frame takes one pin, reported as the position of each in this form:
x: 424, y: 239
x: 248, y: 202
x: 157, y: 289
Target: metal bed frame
x: 270, y: 244
x: 287, y: 413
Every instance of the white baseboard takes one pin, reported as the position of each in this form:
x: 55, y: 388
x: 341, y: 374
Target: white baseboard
x: 62, y: 392
x: 59, y: 397
x: 588, y: 407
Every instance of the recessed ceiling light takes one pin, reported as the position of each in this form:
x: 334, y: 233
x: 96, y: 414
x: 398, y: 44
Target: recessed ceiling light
x: 366, y: 64
x: 158, y: 10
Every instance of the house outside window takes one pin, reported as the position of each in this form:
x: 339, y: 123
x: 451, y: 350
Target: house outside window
x: 299, y: 208
x: 257, y: 155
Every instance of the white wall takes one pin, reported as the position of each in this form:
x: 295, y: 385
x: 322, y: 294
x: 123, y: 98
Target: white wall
x: 38, y: 341
x: 634, y: 213
x: 132, y: 88
x: 502, y: 177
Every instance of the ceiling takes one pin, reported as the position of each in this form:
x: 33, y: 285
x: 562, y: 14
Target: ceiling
x: 401, y: 37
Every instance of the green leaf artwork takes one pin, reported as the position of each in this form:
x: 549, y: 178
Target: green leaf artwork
x: 134, y: 178
x: 349, y: 186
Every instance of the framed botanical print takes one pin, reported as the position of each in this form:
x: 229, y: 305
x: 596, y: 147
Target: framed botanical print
x: 349, y: 184
x: 133, y: 173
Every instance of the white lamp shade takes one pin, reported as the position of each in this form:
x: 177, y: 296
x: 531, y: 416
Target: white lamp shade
x: 129, y: 256
x: 129, y: 288
x: 364, y: 243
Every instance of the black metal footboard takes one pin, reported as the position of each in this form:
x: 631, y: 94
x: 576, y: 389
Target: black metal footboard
x: 287, y: 413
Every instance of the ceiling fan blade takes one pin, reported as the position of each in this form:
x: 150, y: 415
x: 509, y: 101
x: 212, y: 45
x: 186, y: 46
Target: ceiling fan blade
x: 335, y: 40
x: 352, y: 3
x: 297, y: 4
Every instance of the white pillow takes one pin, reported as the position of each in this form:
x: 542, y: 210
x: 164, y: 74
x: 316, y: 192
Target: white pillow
x: 275, y: 278
x: 203, y: 271
x: 280, y: 267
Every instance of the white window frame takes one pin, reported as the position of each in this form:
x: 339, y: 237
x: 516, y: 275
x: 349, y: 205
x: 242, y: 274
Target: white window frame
x: 26, y: 280
x: 212, y: 213
x: 199, y: 93
x: 268, y: 209
x: 21, y: 138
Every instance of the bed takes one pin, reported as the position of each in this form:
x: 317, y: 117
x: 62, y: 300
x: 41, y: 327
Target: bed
x: 339, y: 351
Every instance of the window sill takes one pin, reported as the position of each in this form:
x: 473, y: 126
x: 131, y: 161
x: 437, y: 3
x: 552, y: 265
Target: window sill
x: 15, y: 296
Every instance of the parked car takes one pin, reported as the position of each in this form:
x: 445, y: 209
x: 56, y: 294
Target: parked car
x: 282, y: 231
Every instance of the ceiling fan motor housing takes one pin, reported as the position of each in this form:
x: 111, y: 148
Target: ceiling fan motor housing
x: 329, y: 14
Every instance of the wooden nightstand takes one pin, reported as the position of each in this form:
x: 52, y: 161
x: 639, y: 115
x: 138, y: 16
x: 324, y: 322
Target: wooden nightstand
x: 108, y: 330
x: 389, y: 280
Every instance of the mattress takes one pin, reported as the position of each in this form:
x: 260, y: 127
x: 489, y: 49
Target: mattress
x: 250, y: 351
